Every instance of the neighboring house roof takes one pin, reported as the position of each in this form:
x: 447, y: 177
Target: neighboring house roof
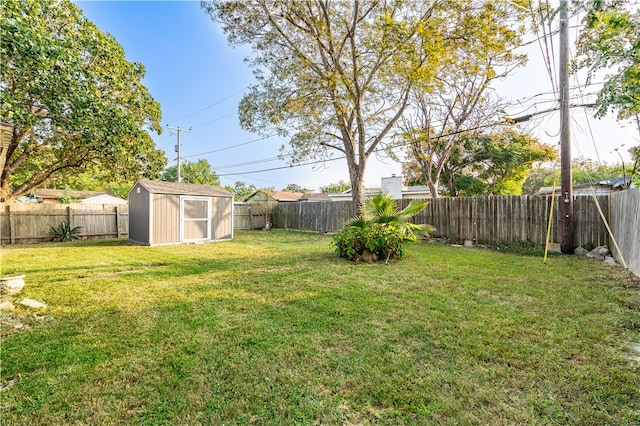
x: 183, y: 188
x: 316, y: 196
x: 57, y: 193
x: 104, y: 199
x: 601, y: 187
x: 346, y: 195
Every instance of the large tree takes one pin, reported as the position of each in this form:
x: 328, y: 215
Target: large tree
x: 335, y: 77
x: 463, y: 105
x: 610, y: 43
x: 72, y: 100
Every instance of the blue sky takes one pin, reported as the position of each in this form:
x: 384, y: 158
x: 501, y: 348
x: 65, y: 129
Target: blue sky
x: 198, y: 79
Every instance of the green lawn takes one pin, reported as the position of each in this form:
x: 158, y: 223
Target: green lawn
x: 272, y: 328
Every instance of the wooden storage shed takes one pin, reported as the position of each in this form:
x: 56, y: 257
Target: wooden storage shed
x: 173, y: 213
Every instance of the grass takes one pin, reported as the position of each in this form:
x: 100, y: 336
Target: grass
x: 272, y: 328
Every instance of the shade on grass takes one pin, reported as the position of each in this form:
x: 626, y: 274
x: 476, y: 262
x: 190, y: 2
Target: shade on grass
x: 272, y: 328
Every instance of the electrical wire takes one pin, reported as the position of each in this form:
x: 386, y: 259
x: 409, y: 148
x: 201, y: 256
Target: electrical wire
x: 207, y: 107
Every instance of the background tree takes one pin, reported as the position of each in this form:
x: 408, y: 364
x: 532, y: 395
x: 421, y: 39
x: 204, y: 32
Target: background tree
x: 93, y: 179
x: 488, y: 164
x: 294, y: 187
x: 461, y: 105
x: 610, y: 42
x: 241, y: 190
x: 199, y: 173
x: 335, y: 188
x: 334, y: 77
x: 583, y: 170
x: 73, y: 100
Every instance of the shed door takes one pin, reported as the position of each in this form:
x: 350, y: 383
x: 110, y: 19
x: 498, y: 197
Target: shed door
x: 195, y: 218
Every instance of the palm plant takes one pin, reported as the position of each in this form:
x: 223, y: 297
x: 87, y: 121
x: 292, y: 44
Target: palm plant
x: 383, y: 209
x: 381, y: 230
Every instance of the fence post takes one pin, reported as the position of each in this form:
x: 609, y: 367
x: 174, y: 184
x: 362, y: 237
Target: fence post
x: 117, y: 208
x: 12, y: 226
x: 69, y: 215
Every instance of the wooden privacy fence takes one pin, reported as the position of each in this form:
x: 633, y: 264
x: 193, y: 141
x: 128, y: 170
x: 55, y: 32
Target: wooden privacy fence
x: 479, y: 219
x: 252, y: 215
x: 625, y: 225
x: 31, y: 223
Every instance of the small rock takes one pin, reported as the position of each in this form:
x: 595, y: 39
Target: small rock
x: 610, y: 261
x: 595, y: 254
x: 18, y: 326
x: 635, y: 349
x: 12, y: 285
x: 7, y: 306
x: 30, y: 303
x: 604, y: 251
x: 468, y: 243
x: 554, y: 247
x: 580, y: 251
x: 456, y: 245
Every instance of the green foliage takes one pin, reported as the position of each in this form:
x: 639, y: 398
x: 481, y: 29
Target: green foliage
x: 523, y: 248
x: 381, y: 230
x: 66, y: 199
x: 611, y: 41
x: 65, y: 232
x: 489, y: 164
x: 583, y: 170
x: 335, y: 188
x: 75, y: 102
x: 294, y: 187
x: 199, y: 173
x: 241, y: 190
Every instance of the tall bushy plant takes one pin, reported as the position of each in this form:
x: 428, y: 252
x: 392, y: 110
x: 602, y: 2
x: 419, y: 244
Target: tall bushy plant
x: 381, y: 230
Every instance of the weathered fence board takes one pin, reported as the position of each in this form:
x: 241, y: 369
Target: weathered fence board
x: 624, y: 219
x: 30, y: 223
x: 482, y: 220
x: 252, y: 215
x: 324, y: 216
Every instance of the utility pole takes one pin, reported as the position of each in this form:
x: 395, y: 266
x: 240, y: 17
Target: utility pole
x: 179, y: 129
x: 566, y: 203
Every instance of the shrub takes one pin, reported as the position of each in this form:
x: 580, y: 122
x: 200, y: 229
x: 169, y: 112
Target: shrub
x: 65, y: 232
x: 380, y: 232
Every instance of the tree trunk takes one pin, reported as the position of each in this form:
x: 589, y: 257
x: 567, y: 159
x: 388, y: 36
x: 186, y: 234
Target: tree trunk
x: 356, y: 176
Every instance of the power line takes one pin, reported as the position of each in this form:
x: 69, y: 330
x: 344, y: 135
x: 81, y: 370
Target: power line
x: 229, y: 147
x: 207, y: 107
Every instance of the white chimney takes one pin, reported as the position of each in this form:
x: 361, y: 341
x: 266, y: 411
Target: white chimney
x: 392, y: 186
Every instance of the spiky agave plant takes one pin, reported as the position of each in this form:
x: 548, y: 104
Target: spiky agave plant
x: 65, y: 232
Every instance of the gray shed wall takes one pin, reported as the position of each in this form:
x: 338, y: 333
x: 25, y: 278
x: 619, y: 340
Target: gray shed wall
x: 139, y: 214
x: 166, y: 219
x: 222, y: 218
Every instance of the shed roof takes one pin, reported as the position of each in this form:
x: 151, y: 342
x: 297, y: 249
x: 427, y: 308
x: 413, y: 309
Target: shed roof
x: 183, y: 188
